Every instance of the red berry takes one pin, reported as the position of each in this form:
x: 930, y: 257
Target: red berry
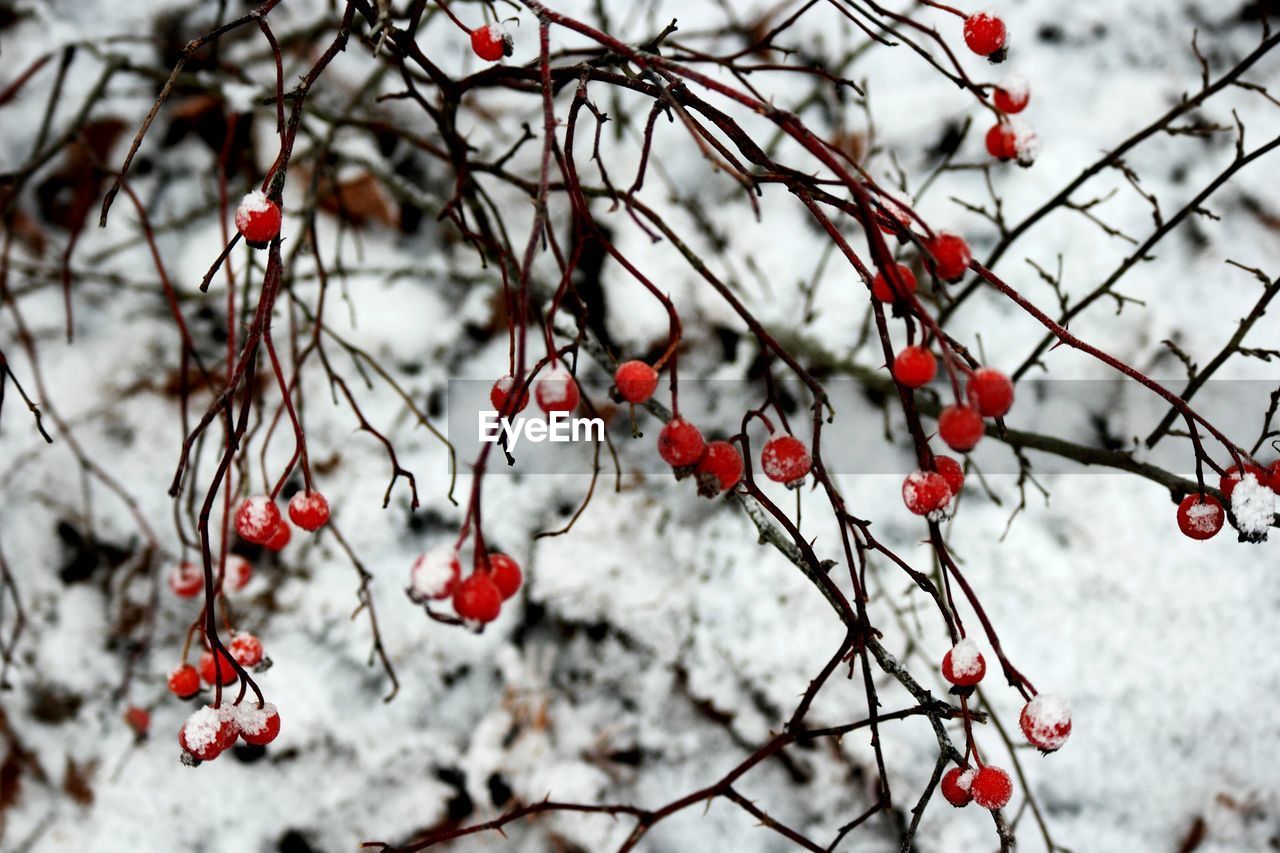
x: 785, y: 459
x: 955, y: 786
x: 258, y: 219
x: 1002, y: 141
x: 258, y: 726
x: 434, y: 575
x: 137, y: 719
x: 506, y: 574
x: 960, y: 427
x: 478, y: 598
x: 228, y: 726
x: 490, y: 43
x: 915, y: 366
x: 186, y: 580
x: 207, y: 668
x: 985, y: 34
x: 719, y: 469
x: 257, y: 519
x: 1012, y: 95
x: 636, y: 381
x: 925, y: 492
x: 991, y: 788
x: 951, y: 256
x: 1273, y: 476
x: 556, y: 391
x: 951, y: 471
x: 1046, y: 722
x: 964, y: 666
x: 246, y: 649
x: 184, y: 682
x: 201, y: 735
x: 1200, y: 516
x: 1232, y: 476
x: 904, y: 284
x: 279, y: 537
x: 501, y: 388
x: 990, y: 392
x: 236, y: 573
x: 309, y: 510
x: 680, y: 443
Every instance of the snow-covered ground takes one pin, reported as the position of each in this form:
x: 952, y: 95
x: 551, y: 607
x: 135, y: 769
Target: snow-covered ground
x: 657, y: 644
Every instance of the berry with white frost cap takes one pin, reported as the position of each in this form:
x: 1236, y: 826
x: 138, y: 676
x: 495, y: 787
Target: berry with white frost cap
x: 1253, y: 505
x: 964, y: 666
x: 1046, y: 722
x: 434, y: 575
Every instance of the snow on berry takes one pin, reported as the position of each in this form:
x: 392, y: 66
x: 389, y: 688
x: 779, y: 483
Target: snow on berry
x: 1254, y: 506
x: 556, y: 391
x: 902, y: 285
x: 491, y: 42
x: 915, y: 366
x: 719, y: 469
x: 137, y: 719
x: 785, y: 459
x: 1231, y: 477
x: 279, y: 537
x: 926, y: 493
x: 635, y: 381
x: 951, y: 471
x: 991, y: 788
x: 960, y: 427
x: 951, y: 256
x: 1046, y: 722
x: 963, y: 665
x: 680, y: 443
x: 246, y: 649
x: 309, y: 510
x: 990, y: 392
x: 1002, y: 141
x: 478, y: 599
x: 985, y: 34
x: 236, y: 573
x: 258, y: 726
x: 200, y: 735
x: 434, y: 575
x: 257, y: 519
x: 506, y: 574
x: 229, y: 728
x: 1027, y: 143
x: 1200, y: 516
x: 209, y: 671
x: 184, y: 682
x: 1012, y: 94
x: 258, y: 219
x: 955, y: 786
x: 498, y: 394
x: 186, y: 580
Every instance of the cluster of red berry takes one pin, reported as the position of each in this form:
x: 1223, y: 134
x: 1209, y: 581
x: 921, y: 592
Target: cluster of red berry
x: 1045, y: 722
x: 437, y: 576
x: 1202, y: 516
x: 986, y: 35
x: 212, y: 730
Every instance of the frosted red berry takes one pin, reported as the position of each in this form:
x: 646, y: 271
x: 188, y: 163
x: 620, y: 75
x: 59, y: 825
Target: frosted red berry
x: 955, y: 786
x: 915, y: 366
x: 1046, y: 722
x: 506, y: 574
x: 925, y: 492
x: 201, y: 736
x: 785, y: 459
x: 991, y: 788
x: 309, y: 510
x: 990, y: 392
x: 184, y: 682
x: 951, y: 256
x: 635, y: 381
x: 258, y: 726
x: 556, y: 391
x: 478, y: 598
x: 960, y: 427
x: 951, y: 471
x: 1200, y: 516
x: 490, y: 43
x: 257, y: 519
x: 1273, y: 476
x: 236, y: 573
x: 498, y: 394
x: 434, y: 575
x: 208, y: 671
x: 1002, y: 141
x: 186, y: 580
x: 137, y: 719
x: 258, y: 219
x: 985, y: 34
x: 279, y: 537
x: 904, y: 284
x: 719, y: 469
x: 680, y: 443
x: 964, y: 665
x: 1012, y: 95
x: 1232, y: 476
x: 246, y: 649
